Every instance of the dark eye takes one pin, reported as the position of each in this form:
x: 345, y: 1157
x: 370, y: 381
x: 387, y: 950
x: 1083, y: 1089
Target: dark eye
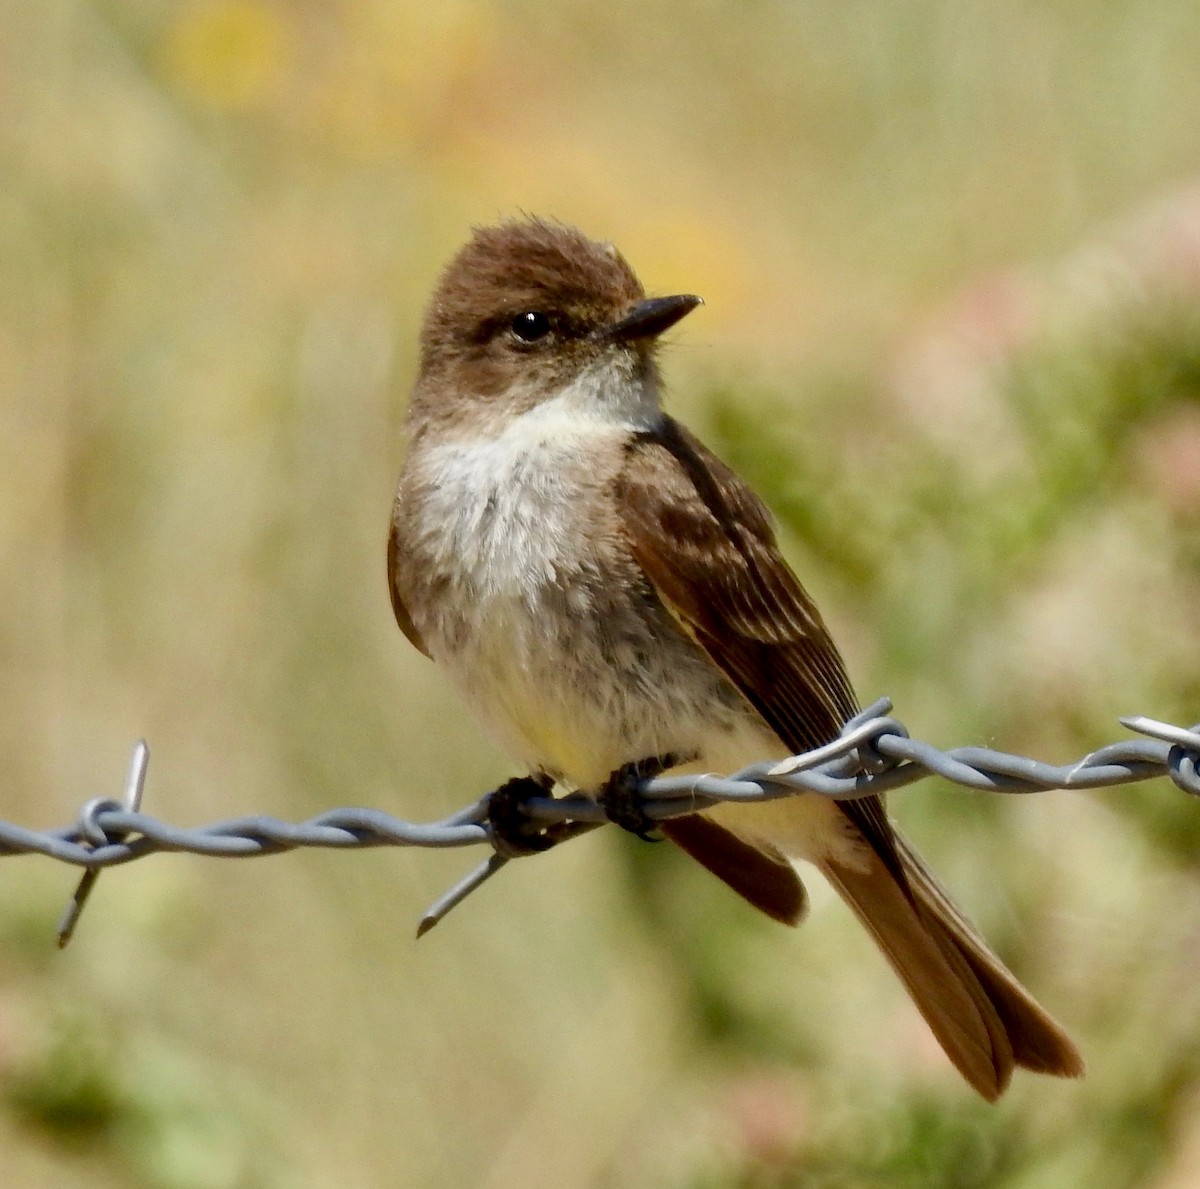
x: 530, y: 326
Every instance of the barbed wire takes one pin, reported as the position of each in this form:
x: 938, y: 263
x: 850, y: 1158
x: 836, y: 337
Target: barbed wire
x: 873, y: 754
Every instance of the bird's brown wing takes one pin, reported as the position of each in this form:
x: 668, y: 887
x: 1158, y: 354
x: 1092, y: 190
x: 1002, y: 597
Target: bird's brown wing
x: 705, y: 543
x: 398, y: 608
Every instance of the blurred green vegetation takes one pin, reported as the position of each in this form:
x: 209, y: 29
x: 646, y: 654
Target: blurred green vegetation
x: 951, y: 255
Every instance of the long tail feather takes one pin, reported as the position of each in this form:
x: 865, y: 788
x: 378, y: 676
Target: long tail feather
x: 981, y: 1015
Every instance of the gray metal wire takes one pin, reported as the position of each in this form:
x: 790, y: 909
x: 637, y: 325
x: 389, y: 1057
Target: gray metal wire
x: 874, y: 754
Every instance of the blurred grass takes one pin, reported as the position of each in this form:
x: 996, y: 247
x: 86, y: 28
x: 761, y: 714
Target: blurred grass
x: 951, y: 254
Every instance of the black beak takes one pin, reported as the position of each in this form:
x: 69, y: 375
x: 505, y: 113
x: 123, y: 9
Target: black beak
x: 650, y: 318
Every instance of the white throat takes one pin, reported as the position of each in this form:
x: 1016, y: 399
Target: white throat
x: 608, y: 395
x: 505, y: 508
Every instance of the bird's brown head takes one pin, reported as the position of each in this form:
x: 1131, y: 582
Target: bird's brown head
x: 523, y: 311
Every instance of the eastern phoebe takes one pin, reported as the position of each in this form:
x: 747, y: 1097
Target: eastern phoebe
x: 603, y: 590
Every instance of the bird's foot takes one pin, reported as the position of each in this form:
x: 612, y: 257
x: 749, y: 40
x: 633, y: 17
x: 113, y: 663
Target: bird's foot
x: 513, y: 831
x: 621, y: 794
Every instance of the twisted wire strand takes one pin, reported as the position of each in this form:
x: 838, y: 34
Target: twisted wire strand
x: 874, y: 754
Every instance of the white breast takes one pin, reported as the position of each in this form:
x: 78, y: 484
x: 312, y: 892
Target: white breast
x: 505, y: 541
x: 500, y: 511
x: 507, y: 509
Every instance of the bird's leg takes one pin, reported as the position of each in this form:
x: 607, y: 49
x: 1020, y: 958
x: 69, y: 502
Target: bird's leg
x: 621, y: 794
x: 512, y: 830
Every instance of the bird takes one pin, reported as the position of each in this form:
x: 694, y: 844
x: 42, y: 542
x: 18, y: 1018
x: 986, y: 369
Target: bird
x: 610, y: 600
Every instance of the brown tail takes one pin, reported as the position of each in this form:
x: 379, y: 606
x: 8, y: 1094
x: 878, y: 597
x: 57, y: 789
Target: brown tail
x: 984, y: 1019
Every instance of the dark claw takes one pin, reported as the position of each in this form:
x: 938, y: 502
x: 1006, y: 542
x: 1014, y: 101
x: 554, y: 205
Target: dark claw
x: 513, y: 831
x: 621, y: 795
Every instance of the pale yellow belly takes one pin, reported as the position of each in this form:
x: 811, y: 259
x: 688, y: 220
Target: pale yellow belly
x: 556, y: 735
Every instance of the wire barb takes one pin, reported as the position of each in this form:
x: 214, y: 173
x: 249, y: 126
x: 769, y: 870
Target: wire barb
x: 135, y: 784
x: 461, y: 890
x: 873, y: 754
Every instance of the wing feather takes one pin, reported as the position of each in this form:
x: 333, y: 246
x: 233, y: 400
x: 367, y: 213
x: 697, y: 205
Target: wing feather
x: 403, y: 618
x: 705, y: 542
